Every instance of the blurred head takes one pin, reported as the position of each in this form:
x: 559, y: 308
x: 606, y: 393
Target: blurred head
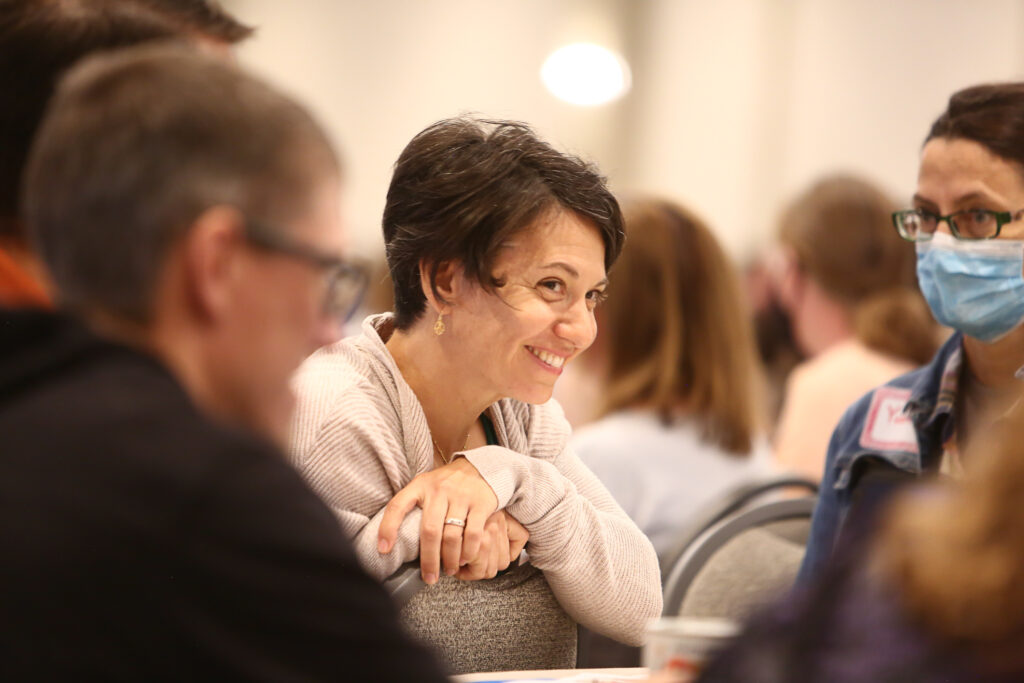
x: 955, y: 551
x: 463, y: 189
x: 205, y: 20
x: 972, y: 170
x: 40, y: 39
x: 171, y: 193
x: 843, y: 249
x: 676, y: 333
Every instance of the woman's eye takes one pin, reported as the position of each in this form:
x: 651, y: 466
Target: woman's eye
x: 978, y: 215
x: 975, y: 223
x: 551, y: 287
x: 595, y: 297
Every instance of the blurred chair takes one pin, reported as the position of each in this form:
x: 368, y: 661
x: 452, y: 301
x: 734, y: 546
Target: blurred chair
x: 597, y: 651
x: 739, y: 498
x: 741, y: 562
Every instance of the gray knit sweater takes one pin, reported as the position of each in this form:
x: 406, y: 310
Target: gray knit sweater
x: 360, y: 435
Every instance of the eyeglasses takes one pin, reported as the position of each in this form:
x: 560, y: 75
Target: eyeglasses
x: 345, y: 280
x: 918, y: 225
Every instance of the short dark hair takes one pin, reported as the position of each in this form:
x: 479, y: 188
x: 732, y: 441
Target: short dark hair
x: 136, y: 145
x: 991, y: 114
x: 40, y: 39
x: 462, y: 187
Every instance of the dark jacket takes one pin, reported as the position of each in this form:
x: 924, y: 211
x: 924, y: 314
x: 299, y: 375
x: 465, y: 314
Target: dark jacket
x: 892, y: 434
x: 141, y: 541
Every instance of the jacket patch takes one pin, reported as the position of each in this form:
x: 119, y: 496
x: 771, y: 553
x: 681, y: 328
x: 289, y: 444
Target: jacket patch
x: 888, y: 427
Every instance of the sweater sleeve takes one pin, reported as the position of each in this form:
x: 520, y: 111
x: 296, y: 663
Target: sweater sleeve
x: 601, y: 567
x: 348, y: 445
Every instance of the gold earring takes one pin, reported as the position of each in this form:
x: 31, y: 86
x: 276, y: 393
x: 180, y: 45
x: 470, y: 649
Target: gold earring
x: 439, y: 327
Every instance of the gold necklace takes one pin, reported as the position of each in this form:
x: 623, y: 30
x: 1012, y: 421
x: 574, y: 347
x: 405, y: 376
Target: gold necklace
x: 447, y: 460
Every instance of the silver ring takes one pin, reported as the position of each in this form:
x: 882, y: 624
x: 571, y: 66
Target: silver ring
x: 455, y: 521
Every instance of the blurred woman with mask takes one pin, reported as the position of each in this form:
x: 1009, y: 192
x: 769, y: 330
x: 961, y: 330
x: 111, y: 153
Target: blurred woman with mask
x: 965, y: 223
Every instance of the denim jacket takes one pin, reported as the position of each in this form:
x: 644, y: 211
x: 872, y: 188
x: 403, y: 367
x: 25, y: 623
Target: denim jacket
x: 902, y: 424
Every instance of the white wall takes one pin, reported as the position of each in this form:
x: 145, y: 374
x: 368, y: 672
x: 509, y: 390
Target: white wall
x: 378, y: 71
x: 750, y: 100
x: 736, y: 104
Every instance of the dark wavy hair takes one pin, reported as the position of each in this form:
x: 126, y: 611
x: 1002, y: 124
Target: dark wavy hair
x: 991, y: 114
x: 464, y: 186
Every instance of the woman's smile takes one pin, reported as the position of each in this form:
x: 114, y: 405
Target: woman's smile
x: 548, y: 360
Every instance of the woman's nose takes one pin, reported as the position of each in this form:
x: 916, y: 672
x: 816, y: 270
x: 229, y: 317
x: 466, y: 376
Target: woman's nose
x: 577, y: 325
x: 944, y: 226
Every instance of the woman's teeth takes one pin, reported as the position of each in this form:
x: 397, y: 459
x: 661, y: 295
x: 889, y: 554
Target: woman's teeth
x: 549, y: 358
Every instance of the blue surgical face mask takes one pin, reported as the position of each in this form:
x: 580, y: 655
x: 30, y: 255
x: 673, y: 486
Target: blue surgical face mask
x: 974, y: 287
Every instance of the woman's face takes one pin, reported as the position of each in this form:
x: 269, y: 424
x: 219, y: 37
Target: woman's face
x: 973, y: 286
x: 958, y: 175
x: 516, y: 340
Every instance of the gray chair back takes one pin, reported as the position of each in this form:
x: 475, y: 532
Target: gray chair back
x: 741, y: 562
x: 741, y: 497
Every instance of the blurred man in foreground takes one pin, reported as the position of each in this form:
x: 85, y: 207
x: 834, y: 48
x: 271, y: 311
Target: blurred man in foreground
x: 189, y: 217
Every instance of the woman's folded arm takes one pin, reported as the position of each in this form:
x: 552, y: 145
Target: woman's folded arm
x: 601, y: 567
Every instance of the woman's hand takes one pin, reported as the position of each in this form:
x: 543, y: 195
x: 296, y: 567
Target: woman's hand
x: 454, y: 491
x: 502, y: 543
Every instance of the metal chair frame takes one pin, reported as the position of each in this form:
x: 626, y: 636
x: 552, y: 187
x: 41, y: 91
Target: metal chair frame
x: 728, y: 505
x: 681, y: 573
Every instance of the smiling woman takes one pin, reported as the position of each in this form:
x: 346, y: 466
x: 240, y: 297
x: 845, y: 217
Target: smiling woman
x: 433, y: 435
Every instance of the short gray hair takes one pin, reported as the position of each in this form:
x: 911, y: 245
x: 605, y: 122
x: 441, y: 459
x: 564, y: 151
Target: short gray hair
x: 136, y: 145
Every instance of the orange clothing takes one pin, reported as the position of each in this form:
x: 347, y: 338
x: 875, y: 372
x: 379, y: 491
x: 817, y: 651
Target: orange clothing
x: 18, y: 289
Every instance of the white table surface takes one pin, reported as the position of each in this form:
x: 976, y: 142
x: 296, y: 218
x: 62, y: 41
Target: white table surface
x: 577, y: 675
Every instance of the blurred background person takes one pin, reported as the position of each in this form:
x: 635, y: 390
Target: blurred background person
x: 965, y: 223
x: 846, y: 283
x: 776, y: 347
x: 936, y: 598
x: 39, y: 40
x: 432, y: 435
x: 681, y: 411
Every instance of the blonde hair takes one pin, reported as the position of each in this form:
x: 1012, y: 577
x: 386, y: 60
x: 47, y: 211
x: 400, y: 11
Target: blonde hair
x: 841, y: 232
x: 676, y: 330
x: 956, y: 554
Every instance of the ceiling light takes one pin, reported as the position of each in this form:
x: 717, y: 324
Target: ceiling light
x: 585, y: 74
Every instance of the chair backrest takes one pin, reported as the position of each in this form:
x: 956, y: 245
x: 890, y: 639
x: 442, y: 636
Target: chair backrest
x: 742, y: 496
x: 740, y: 562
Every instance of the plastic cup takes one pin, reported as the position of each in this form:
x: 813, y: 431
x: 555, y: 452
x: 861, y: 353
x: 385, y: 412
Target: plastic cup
x: 683, y: 645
